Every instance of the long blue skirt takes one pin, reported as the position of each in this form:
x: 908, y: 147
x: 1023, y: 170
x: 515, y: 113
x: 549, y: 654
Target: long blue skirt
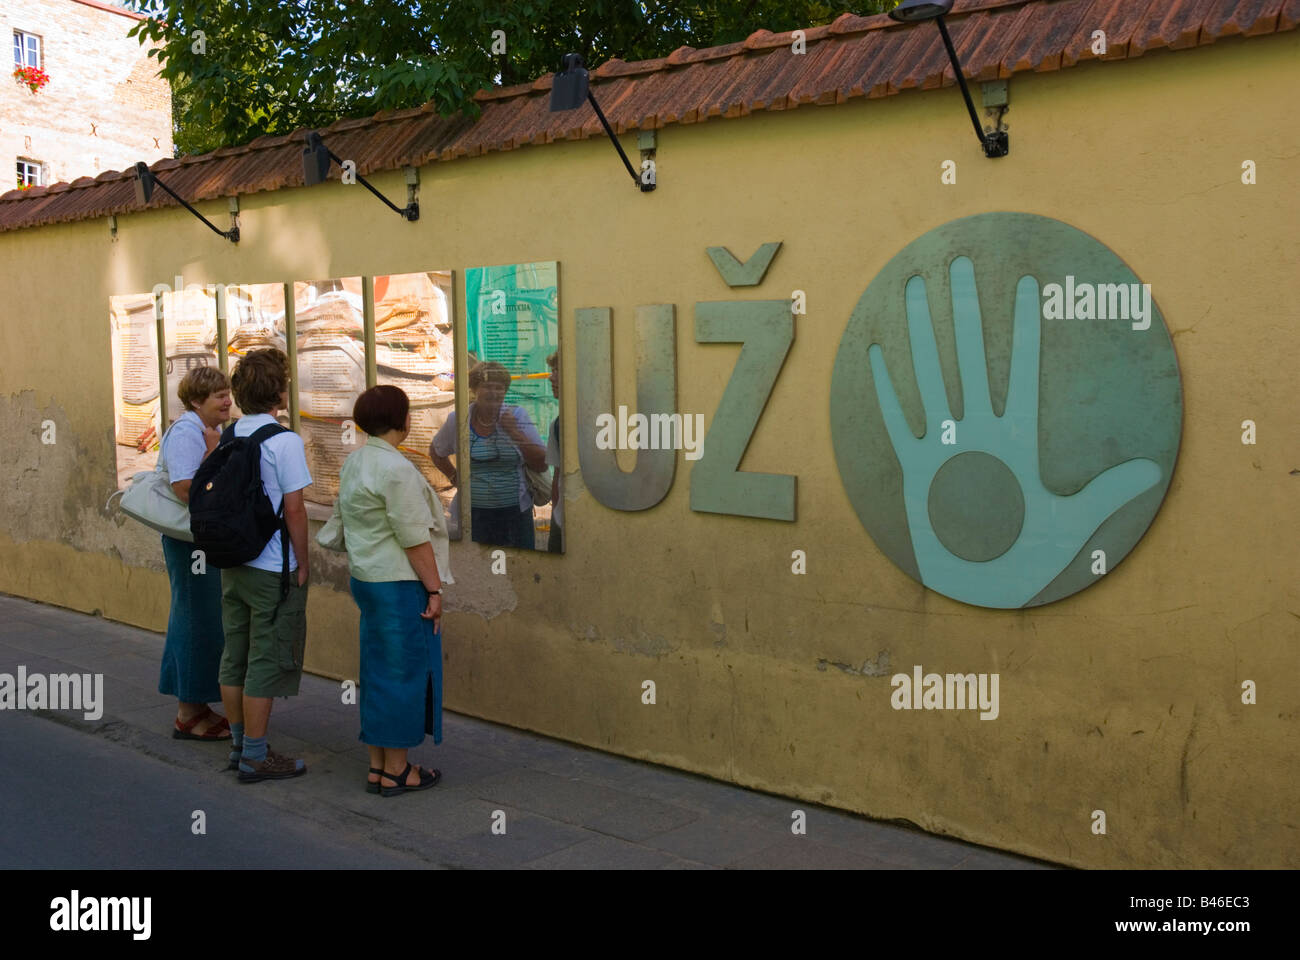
x: 401, y: 665
x: 195, y: 640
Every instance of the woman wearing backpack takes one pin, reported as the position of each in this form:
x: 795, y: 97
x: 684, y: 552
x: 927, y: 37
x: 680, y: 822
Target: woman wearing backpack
x: 195, y: 640
x: 391, y: 524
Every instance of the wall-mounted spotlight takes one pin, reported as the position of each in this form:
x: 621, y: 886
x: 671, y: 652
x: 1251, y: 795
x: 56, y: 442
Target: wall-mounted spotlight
x: 568, y: 91
x: 316, y: 159
x: 995, y: 144
x: 146, y: 180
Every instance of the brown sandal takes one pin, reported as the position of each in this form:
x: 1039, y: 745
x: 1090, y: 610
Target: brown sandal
x: 218, y: 731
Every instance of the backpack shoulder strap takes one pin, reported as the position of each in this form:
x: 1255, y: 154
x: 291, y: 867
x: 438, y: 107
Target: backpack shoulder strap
x: 228, y: 434
x: 266, y: 432
x: 259, y: 435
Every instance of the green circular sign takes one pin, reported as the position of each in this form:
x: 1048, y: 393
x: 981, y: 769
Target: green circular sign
x: 1006, y: 409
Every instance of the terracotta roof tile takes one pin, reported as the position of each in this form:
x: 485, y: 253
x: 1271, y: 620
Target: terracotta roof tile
x: 802, y: 78
x: 832, y: 75
x: 864, y: 77
x: 852, y: 57
x: 914, y: 48
x: 1235, y: 18
x: 1176, y: 26
x: 981, y: 43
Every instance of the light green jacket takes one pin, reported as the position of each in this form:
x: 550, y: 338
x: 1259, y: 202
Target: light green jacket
x: 383, y: 507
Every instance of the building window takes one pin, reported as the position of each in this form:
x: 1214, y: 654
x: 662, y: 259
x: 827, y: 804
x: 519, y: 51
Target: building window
x: 27, y: 49
x: 30, y: 173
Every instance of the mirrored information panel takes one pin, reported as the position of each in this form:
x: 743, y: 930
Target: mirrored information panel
x: 189, y: 339
x: 514, y: 463
x: 137, y: 414
x: 331, y: 353
x: 254, y: 316
x: 415, y: 350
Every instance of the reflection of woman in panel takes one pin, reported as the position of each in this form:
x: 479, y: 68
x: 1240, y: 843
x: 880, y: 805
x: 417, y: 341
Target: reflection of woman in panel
x: 391, y: 524
x: 195, y: 640
x: 555, y: 542
x: 502, y: 443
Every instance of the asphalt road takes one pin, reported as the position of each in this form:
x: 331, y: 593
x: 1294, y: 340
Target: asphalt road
x: 72, y: 800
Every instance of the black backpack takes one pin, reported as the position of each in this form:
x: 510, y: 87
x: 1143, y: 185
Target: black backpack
x: 231, y: 516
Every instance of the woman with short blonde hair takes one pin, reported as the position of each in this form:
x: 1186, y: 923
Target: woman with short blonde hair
x: 195, y: 639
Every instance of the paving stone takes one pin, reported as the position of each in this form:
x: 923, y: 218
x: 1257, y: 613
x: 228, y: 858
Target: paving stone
x: 23, y: 635
x: 448, y: 816
x: 133, y: 669
x: 678, y: 864
x: 518, y: 747
x: 459, y: 765
x: 709, y: 796
x: 889, y: 842
x: 983, y: 859
x: 526, y: 839
x: 558, y: 798
x: 593, y: 765
x: 314, y: 724
x: 915, y: 852
x: 717, y: 840
x: 154, y: 716
x: 800, y: 853
x: 602, y: 853
x: 44, y: 663
x: 636, y: 818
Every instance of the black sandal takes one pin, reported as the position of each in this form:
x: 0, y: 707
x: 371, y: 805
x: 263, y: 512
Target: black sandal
x: 373, y: 787
x: 427, y: 779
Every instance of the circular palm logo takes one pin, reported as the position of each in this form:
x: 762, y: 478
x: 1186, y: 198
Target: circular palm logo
x: 1006, y: 410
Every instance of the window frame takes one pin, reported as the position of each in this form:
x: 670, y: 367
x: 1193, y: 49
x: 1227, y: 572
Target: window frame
x: 21, y: 38
x: 37, y: 165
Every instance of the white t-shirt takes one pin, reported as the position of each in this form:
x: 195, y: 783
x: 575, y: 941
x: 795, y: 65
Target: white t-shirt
x: 183, y: 447
x: 284, y: 470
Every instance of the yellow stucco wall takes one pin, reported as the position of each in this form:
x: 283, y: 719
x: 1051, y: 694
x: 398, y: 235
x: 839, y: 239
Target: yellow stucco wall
x: 1125, y: 697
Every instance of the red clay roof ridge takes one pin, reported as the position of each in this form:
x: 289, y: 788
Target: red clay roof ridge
x: 858, y: 57
x: 614, y: 68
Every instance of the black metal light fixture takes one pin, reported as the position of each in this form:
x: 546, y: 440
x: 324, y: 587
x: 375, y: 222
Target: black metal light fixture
x: 568, y: 91
x: 316, y: 159
x: 146, y: 180
x: 995, y: 144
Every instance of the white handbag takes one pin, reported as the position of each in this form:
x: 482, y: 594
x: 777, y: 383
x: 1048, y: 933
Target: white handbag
x: 151, y: 500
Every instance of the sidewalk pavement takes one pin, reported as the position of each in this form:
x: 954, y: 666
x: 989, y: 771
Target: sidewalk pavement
x: 565, y: 806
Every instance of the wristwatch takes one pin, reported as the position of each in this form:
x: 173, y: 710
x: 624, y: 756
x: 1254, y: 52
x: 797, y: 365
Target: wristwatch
x: 433, y: 593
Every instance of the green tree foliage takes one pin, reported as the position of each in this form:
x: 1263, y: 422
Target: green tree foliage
x: 263, y: 67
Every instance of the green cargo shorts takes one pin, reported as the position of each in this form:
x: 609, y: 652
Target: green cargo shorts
x: 265, y: 639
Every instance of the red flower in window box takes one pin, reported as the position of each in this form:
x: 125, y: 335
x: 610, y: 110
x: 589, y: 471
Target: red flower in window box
x: 33, y: 77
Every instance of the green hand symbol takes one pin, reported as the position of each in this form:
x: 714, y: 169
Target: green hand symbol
x: 984, y: 528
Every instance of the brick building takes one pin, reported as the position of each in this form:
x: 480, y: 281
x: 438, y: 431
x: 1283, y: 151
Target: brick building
x: 104, y: 106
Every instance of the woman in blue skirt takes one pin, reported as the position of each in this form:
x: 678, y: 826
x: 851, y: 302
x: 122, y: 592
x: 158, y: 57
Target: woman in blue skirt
x: 195, y: 641
x: 391, y: 524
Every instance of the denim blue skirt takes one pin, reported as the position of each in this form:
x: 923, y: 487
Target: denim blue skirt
x: 195, y: 639
x: 401, y: 665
